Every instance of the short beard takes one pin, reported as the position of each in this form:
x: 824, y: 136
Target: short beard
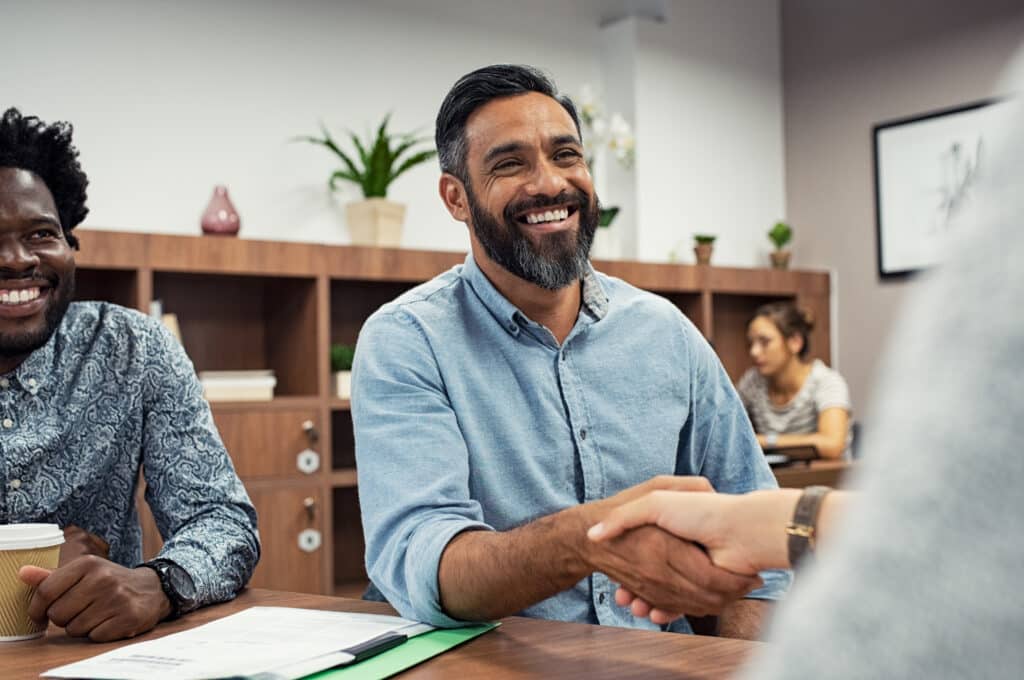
x: 15, y: 345
x: 558, y: 260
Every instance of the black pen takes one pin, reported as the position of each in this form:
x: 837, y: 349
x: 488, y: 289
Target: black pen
x: 374, y: 646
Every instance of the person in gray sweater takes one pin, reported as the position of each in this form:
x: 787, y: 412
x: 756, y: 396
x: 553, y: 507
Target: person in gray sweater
x: 918, y: 574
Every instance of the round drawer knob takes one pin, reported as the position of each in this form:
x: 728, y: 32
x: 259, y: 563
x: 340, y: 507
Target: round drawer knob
x: 310, y: 540
x: 308, y: 461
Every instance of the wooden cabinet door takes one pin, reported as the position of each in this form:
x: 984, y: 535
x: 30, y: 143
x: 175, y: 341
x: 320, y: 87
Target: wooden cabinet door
x: 291, y: 524
x: 266, y: 444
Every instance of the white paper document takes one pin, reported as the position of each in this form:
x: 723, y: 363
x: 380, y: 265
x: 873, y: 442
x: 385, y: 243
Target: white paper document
x: 271, y: 643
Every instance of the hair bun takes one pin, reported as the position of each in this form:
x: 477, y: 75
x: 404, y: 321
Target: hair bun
x: 808, y: 317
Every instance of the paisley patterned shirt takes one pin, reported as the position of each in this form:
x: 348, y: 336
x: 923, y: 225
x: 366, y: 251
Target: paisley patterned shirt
x: 111, y: 393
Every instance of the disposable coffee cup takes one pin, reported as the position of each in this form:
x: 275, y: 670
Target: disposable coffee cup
x: 21, y: 545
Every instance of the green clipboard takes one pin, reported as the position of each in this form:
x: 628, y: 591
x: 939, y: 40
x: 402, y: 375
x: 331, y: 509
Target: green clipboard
x: 406, y: 655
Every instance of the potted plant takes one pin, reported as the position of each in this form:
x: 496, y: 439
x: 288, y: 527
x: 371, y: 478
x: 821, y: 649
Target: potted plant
x: 341, y: 368
x: 780, y: 235
x: 377, y: 163
x: 703, y: 245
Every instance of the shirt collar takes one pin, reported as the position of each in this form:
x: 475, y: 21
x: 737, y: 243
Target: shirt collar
x: 595, y: 300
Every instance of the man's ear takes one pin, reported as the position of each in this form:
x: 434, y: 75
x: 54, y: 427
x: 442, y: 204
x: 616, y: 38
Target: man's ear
x: 453, y: 193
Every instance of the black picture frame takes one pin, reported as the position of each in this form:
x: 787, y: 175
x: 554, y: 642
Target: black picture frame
x: 894, y: 132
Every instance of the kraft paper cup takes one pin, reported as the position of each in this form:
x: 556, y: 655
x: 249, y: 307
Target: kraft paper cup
x: 20, y: 545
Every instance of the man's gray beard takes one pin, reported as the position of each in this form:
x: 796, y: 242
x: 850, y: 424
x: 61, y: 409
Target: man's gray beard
x: 553, y: 264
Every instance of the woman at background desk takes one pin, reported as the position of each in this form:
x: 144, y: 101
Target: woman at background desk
x: 793, y: 401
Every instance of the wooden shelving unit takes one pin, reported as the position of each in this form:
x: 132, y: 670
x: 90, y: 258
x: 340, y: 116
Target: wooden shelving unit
x: 245, y: 304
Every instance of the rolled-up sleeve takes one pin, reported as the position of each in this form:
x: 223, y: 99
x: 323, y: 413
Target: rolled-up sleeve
x: 413, y: 465
x: 200, y: 506
x: 718, y: 442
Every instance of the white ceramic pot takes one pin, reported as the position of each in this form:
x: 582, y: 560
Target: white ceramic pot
x: 343, y: 384
x: 375, y: 222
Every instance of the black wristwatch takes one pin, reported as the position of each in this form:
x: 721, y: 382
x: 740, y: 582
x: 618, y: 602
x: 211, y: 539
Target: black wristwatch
x: 176, y: 584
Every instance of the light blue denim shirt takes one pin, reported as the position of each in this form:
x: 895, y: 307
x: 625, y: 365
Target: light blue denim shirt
x: 469, y: 415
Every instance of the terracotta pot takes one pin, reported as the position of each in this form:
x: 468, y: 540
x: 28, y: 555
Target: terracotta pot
x: 375, y: 222
x: 220, y: 217
x: 780, y: 259
x: 703, y: 252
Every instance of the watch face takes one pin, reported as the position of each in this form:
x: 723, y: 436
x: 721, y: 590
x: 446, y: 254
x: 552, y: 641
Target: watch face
x: 182, y: 584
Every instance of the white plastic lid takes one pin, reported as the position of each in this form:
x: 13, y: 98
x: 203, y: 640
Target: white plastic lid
x: 24, y: 536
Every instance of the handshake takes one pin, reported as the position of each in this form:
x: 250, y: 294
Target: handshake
x: 676, y: 547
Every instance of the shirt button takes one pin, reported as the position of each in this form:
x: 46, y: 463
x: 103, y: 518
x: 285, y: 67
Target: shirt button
x: 8, y: 423
x: 583, y: 434
x: 32, y: 382
x: 14, y: 483
x: 4, y: 382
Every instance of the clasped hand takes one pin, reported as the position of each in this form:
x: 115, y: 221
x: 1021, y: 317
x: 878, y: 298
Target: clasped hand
x: 661, y: 574
x: 90, y: 596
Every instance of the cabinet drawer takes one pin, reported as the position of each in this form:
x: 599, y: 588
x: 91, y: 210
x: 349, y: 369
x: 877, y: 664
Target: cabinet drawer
x: 268, y: 443
x: 291, y: 523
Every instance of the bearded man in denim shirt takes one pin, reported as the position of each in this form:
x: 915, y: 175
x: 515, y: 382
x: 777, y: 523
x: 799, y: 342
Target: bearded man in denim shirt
x: 90, y: 395
x: 505, y: 406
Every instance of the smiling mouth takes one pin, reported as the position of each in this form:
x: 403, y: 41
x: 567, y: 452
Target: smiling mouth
x: 547, y: 216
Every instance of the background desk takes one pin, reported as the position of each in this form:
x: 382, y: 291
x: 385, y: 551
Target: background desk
x: 519, y: 648
x: 826, y: 472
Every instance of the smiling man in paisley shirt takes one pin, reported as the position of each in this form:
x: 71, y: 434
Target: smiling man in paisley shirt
x: 90, y: 394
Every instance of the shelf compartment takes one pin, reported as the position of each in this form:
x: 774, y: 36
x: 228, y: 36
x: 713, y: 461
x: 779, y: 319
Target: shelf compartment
x: 343, y: 441
x: 119, y: 286
x: 349, y: 545
x: 231, y: 322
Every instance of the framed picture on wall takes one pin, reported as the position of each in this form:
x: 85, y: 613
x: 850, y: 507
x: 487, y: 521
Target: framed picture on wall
x: 927, y: 168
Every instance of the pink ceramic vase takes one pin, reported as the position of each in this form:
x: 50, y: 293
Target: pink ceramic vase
x: 220, y: 217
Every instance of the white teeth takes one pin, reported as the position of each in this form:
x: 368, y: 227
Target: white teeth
x: 549, y: 216
x: 17, y: 297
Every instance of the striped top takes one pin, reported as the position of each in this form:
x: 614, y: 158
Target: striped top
x: 823, y: 389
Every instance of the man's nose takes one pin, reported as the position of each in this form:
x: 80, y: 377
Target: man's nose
x: 15, y: 256
x: 547, y: 180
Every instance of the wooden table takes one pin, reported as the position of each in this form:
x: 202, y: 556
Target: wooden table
x: 519, y: 648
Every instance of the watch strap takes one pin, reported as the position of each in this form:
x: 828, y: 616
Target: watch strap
x: 162, y: 568
x: 803, y: 527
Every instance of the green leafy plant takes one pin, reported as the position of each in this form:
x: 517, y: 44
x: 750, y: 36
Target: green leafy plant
x: 780, y: 235
x: 376, y: 163
x: 341, y: 357
x: 704, y: 239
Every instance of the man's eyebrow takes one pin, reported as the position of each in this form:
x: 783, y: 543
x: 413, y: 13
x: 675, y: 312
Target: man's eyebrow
x: 38, y: 220
x: 566, y: 139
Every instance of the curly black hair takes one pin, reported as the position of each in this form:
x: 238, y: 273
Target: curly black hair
x: 30, y: 144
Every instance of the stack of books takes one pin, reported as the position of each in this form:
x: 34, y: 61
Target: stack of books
x: 238, y: 385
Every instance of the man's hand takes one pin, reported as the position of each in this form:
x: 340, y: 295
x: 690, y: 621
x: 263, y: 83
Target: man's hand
x: 95, y: 598
x: 673, y: 575
x: 79, y: 542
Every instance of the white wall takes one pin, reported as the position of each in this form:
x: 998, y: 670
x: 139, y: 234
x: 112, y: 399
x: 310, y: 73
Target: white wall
x: 169, y: 99
x: 709, y: 130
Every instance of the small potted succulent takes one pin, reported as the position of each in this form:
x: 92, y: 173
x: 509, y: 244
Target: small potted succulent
x: 780, y: 236
x: 377, y: 162
x: 703, y: 244
x: 341, y: 368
